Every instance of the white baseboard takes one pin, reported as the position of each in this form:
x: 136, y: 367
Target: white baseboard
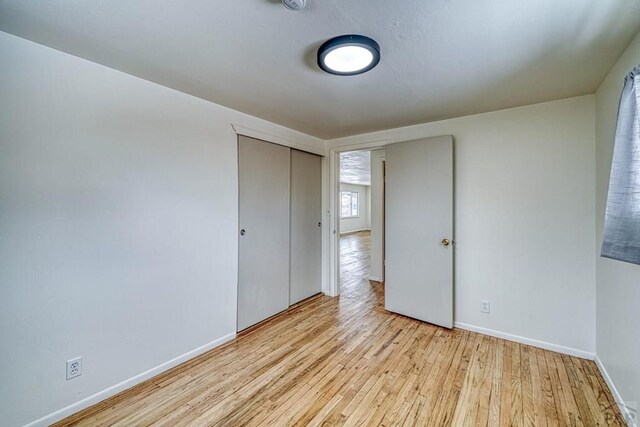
x: 528, y: 341
x: 375, y: 279
x: 628, y: 415
x: 115, y: 389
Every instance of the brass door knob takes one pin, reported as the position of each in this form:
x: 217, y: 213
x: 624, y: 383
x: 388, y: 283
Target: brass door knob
x: 445, y: 242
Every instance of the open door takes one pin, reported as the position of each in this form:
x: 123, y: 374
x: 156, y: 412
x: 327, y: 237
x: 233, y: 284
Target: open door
x: 419, y: 229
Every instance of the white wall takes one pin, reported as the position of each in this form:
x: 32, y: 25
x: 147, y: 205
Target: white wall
x: 618, y: 283
x: 376, y: 271
x: 118, y: 226
x: 368, y: 207
x: 363, y: 221
x: 525, y: 219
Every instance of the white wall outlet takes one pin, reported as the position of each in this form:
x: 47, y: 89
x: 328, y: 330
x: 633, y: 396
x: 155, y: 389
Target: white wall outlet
x: 485, y: 306
x: 74, y: 368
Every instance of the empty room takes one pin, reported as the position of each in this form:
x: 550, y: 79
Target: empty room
x: 319, y: 213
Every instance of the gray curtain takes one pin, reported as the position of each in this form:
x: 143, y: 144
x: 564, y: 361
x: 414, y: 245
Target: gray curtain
x: 622, y: 220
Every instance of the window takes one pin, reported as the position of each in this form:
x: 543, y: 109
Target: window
x: 349, y: 204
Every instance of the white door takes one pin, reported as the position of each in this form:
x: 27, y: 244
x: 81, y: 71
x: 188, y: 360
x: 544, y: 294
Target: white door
x: 419, y: 230
x: 306, y: 226
x: 263, y: 258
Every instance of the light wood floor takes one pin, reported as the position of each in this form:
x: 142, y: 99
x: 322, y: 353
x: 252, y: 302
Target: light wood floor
x: 345, y: 361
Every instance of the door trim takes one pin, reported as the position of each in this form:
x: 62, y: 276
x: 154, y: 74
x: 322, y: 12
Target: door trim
x: 333, y: 238
x: 280, y: 140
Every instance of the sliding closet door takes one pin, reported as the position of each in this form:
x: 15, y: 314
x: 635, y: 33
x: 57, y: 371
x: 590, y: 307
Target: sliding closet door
x: 306, y: 234
x: 263, y: 264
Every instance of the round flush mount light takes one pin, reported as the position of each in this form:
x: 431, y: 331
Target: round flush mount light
x: 348, y: 55
x: 294, y: 4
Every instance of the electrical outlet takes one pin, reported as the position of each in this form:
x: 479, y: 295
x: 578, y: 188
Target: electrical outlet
x: 74, y: 368
x: 485, y: 306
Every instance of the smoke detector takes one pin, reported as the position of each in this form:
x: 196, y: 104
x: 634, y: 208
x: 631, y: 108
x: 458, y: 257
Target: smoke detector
x: 294, y: 4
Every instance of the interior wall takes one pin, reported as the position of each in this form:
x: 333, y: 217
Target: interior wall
x: 525, y: 219
x: 363, y: 221
x: 368, y: 187
x: 376, y: 271
x: 618, y: 283
x: 118, y: 210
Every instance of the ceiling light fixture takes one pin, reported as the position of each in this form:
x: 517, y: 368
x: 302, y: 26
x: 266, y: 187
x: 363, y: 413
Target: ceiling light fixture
x: 348, y: 55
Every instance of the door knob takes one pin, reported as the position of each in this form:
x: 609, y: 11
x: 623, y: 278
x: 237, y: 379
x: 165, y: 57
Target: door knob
x: 445, y: 242
x: 243, y: 232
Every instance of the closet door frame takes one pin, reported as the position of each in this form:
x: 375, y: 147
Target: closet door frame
x: 326, y: 230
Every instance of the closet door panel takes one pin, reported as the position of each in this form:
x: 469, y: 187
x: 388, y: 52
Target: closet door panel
x: 264, y: 203
x: 306, y: 229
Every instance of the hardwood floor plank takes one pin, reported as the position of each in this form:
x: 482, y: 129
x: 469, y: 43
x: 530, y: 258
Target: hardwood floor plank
x: 567, y: 393
x: 529, y: 416
x: 476, y: 383
x: 582, y: 382
x: 347, y: 361
x: 605, y: 400
x: 550, y: 408
x: 505, y: 408
x: 463, y: 403
x: 539, y: 415
x: 516, y: 386
x: 482, y: 414
x: 496, y: 386
x: 446, y: 403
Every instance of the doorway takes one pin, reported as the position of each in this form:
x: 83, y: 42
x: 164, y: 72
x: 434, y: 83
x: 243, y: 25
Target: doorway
x: 412, y: 251
x: 360, y: 208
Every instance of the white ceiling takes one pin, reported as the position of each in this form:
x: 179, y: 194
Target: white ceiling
x: 355, y: 167
x: 440, y: 58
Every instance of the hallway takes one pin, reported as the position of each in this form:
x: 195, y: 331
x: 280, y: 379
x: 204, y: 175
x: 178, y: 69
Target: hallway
x: 354, y: 259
